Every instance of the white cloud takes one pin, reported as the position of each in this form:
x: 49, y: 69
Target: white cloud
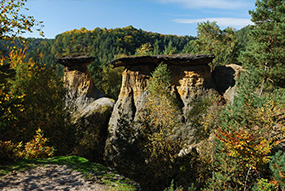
x: 219, y: 4
x: 225, y: 22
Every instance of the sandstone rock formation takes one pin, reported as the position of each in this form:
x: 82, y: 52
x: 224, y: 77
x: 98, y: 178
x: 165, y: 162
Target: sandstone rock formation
x: 91, y: 109
x: 190, y: 75
x: 225, y: 78
x: 78, y: 81
x: 190, y: 78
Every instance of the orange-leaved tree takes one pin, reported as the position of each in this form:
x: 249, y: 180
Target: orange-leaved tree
x: 246, y: 134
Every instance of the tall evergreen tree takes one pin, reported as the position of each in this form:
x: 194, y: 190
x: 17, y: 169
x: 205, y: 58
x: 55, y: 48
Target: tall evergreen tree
x: 212, y: 40
x: 252, y: 126
x: 266, y: 52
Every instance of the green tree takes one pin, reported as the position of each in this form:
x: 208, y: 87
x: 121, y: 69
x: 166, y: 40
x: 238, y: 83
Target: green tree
x: 169, y: 49
x: 212, y: 40
x: 253, y: 125
x: 265, y: 51
x: 10, y: 103
x: 277, y: 166
x: 159, y: 122
x: 13, y: 22
x: 156, y: 50
x: 246, y: 133
x: 111, y: 80
x: 42, y: 104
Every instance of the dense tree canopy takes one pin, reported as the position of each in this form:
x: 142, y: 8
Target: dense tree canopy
x: 267, y: 41
x: 212, y: 40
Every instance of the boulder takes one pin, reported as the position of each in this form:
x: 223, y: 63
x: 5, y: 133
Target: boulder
x: 90, y: 108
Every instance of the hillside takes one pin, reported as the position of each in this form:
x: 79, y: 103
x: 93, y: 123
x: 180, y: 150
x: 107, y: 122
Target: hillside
x: 102, y: 43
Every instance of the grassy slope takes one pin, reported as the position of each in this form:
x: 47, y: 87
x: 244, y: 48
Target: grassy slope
x: 93, y: 171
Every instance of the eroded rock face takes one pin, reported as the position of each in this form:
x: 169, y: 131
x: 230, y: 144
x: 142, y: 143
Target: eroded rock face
x: 225, y: 78
x: 91, y: 109
x: 189, y: 82
x: 190, y: 78
x: 78, y: 81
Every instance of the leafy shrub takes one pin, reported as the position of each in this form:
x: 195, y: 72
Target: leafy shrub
x: 9, y: 151
x: 277, y: 166
x: 37, y: 148
x: 35, y: 97
x: 264, y: 185
x: 180, y: 188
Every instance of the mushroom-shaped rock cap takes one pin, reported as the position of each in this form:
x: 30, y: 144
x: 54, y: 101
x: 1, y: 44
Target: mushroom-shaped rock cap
x: 74, y: 62
x: 185, y: 59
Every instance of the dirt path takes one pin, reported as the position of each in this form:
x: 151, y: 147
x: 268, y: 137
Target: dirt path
x: 48, y: 177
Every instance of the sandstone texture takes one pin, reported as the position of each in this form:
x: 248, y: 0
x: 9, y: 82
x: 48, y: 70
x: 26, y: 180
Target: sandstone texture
x: 225, y: 78
x: 91, y: 109
x: 78, y: 81
x: 190, y: 78
x: 190, y: 75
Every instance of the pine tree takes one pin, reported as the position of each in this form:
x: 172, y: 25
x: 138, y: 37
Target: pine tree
x: 253, y: 125
x: 266, y: 52
x: 212, y: 40
x: 246, y: 133
x: 277, y: 166
x: 159, y: 123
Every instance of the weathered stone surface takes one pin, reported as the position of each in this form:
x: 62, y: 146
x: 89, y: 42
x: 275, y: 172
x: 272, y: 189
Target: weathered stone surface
x: 225, y: 78
x: 91, y: 123
x: 91, y: 109
x: 177, y: 59
x: 78, y: 81
x: 190, y: 78
x: 76, y: 63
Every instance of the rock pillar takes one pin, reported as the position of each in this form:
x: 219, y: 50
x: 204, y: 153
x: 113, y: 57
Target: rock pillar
x: 90, y: 108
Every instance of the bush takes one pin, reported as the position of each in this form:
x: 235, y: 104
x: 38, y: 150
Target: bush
x: 277, y: 166
x: 37, y: 148
x: 37, y: 101
x: 9, y: 151
x: 264, y: 185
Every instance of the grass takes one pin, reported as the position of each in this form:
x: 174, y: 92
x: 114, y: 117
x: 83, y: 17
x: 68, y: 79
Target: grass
x: 92, y: 171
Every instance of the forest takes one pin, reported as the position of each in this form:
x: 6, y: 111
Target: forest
x: 239, y: 146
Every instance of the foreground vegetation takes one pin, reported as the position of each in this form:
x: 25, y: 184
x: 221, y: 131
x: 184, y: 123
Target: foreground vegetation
x: 238, y: 143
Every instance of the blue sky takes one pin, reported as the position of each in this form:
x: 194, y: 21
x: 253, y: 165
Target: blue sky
x: 177, y: 17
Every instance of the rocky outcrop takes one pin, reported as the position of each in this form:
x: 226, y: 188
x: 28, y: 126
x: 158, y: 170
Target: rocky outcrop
x: 90, y: 108
x: 190, y: 78
x: 225, y: 78
x: 78, y: 81
x: 190, y: 75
